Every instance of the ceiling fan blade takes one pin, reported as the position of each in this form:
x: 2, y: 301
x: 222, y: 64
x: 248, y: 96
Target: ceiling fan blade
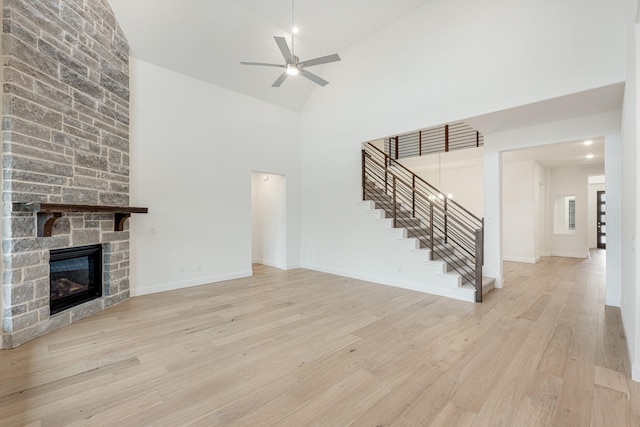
x: 280, y: 80
x: 313, y: 77
x: 263, y: 64
x: 284, y: 48
x: 321, y: 60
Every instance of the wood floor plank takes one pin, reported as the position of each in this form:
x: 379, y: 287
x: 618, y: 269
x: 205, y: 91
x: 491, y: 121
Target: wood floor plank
x: 536, y: 309
x: 524, y: 396
x: 577, y: 398
x: 451, y: 415
x: 394, y: 404
x: 611, y: 380
x: 302, y: 347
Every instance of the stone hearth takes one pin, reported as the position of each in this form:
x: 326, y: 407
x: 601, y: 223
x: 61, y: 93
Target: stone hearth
x: 65, y: 139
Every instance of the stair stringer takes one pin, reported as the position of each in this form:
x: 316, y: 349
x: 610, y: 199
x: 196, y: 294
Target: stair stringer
x: 415, y: 270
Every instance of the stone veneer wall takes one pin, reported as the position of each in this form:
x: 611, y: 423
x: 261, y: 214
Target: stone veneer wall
x: 65, y: 139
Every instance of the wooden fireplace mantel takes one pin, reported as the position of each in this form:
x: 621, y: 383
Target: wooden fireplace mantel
x: 48, y: 213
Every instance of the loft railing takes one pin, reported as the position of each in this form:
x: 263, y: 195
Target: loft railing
x: 454, y: 136
x: 450, y: 231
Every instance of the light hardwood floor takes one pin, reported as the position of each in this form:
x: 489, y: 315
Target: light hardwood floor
x: 297, y: 348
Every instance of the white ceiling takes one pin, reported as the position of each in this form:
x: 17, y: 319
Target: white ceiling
x: 207, y: 39
x: 573, y: 153
x: 562, y: 154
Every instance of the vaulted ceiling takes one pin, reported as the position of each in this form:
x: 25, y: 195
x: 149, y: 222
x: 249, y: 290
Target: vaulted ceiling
x: 207, y: 39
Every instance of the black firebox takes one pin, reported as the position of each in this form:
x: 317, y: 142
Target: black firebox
x: 75, y: 276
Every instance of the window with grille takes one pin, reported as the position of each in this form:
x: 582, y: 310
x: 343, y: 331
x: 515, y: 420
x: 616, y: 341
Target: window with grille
x: 572, y: 214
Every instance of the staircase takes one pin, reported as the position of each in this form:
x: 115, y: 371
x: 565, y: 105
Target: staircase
x: 445, y: 232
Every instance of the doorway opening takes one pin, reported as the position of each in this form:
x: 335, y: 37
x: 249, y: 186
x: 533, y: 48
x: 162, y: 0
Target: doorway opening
x: 549, y: 199
x: 268, y: 220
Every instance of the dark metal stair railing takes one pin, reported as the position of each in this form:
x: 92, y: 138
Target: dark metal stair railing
x: 449, y: 137
x: 450, y: 231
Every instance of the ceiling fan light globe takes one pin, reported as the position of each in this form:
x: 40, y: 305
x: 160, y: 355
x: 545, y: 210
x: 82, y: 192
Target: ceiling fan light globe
x: 292, y: 70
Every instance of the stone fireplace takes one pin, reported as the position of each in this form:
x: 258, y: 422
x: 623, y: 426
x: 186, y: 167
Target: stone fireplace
x: 65, y: 140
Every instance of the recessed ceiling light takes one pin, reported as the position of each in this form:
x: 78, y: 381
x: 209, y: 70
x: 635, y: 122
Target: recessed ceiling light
x: 295, y: 30
x: 588, y: 142
x: 590, y: 156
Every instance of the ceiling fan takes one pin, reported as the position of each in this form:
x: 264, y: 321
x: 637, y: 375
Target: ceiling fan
x: 292, y: 64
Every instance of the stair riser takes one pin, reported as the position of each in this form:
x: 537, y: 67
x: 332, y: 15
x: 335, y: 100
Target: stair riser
x: 409, y: 223
x: 399, y: 213
x: 421, y: 234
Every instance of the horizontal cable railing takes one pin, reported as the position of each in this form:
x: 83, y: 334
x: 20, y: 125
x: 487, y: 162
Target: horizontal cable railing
x: 450, y: 231
x: 454, y: 136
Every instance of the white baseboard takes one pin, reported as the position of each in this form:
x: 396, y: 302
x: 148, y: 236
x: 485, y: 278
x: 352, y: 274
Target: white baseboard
x: 546, y: 254
x: 570, y: 254
x: 613, y: 301
x: 293, y: 266
x: 275, y: 264
x: 170, y: 286
x: 269, y: 263
x: 520, y: 259
x: 454, y: 292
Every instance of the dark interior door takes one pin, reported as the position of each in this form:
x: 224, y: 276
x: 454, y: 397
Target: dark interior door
x: 602, y: 220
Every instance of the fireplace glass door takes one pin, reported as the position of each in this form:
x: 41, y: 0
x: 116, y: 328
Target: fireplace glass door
x: 75, y: 276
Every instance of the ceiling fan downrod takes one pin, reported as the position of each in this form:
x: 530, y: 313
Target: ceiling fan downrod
x: 293, y: 31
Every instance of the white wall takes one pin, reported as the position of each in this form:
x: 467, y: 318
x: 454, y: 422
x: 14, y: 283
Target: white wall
x: 269, y: 219
x: 630, y: 196
x: 615, y: 226
x: 518, y: 211
x: 631, y: 295
x: 421, y: 83
x: 193, y: 147
x: 571, y: 181
x: 540, y: 201
x: 459, y: 173
x: 440, y: 65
